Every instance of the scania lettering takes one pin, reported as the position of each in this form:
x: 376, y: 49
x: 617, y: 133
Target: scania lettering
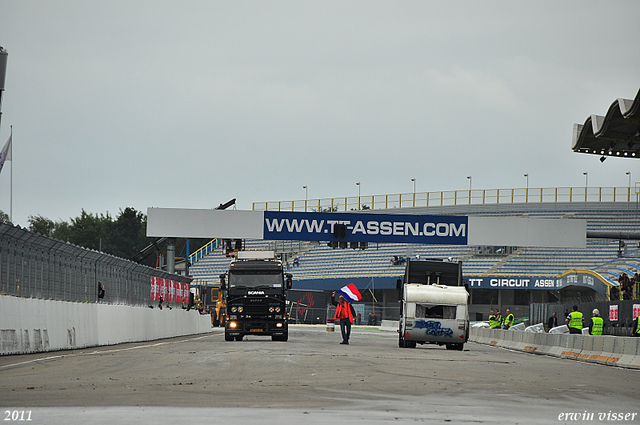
x: 434, y: 305
x: 256, y: 296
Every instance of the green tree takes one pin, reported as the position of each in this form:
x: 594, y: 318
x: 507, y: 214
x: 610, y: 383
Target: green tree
x: 127, y: 235
x: 62, y: 231
x: 4, y: 218
x: 42, y: 225
x: 90, y: 230
x: 327, y: 209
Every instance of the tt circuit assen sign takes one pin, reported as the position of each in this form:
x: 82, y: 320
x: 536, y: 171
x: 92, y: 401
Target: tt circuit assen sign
x: 419, y: 229
x: 573, y: 278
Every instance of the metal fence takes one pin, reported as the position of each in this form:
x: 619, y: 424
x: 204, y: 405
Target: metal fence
x: 458, y: 197
x: 36, y: 266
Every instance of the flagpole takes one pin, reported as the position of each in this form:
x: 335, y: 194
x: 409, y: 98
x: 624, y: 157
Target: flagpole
x: 11, y: 181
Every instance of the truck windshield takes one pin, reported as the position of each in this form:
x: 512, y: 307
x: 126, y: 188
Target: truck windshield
x: 255, y: 280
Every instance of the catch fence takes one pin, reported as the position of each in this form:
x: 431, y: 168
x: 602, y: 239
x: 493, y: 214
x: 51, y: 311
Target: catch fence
x: 36, y: 266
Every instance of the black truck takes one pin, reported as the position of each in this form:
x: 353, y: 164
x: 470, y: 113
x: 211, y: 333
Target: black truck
x: 256, y: 296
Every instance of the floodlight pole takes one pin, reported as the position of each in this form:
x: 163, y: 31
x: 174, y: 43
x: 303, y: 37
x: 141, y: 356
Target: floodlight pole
x: 414, y: 191
x: 305, y: 197
x: 3, y: 72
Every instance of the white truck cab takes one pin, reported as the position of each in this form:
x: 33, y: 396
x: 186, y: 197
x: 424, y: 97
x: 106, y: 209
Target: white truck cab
x: 434, y: 314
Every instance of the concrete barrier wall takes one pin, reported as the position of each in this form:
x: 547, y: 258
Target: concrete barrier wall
x: 34, y: 325
x: 608, y: 350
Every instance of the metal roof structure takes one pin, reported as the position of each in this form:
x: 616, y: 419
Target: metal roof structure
x: 615, y: 134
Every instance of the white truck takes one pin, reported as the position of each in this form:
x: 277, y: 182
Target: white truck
x: 434, y: 313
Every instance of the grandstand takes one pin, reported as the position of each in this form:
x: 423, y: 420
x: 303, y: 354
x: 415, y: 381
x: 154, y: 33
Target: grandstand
x: 380, y: 265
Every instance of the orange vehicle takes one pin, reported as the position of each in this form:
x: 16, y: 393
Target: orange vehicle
x: 215, y: 303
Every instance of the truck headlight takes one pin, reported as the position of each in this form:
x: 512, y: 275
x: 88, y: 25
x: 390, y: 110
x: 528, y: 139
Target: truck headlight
x: 233, y: 325
x: 278, y: 309
x: 270, y: 309
x: 240, y: 309
x: 234, y: 309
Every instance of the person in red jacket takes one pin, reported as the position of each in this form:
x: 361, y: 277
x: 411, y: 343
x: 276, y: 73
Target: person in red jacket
x: 344, y: 314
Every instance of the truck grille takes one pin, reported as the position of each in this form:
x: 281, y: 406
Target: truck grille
x: 256, y: 309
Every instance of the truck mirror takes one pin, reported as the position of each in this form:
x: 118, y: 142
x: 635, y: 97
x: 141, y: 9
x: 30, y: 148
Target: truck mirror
x: 288, y: 280
x: 223, y: 284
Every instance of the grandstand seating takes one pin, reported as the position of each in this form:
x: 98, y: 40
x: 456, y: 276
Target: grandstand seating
x: 320, y: 261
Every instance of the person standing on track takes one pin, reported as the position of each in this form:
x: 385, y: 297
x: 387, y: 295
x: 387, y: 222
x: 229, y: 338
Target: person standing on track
x: 344, y: 315
x: 344, y: 310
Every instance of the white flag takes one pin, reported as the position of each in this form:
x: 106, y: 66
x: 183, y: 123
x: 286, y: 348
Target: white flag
x: 5, y: 154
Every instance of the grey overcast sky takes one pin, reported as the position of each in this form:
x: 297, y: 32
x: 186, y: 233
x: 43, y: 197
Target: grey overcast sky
x: 191, y: 103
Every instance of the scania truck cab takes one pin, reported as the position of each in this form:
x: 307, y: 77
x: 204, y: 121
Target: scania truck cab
x: 434, y: 305
x: 256, y: 296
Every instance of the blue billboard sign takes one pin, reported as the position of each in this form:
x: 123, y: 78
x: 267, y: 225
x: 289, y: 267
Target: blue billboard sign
x: 358, y: 227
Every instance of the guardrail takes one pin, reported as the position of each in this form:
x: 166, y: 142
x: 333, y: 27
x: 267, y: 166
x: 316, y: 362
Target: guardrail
x: 456, y: 197
x: 602, y: 349
x: 206, y: 249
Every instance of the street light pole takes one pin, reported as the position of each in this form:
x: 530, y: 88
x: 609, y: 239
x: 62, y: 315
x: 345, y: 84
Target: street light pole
x: 414, y: 191
x: 526, y: 193
x: 358, y: 184
x: 586, y: 185
x: 469, y: 177
x: 305, y: 197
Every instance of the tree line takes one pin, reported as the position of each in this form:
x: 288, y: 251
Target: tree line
x: 123, y: 236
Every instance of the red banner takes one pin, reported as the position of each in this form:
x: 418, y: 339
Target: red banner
x: 155, y: 296
x: 613, y: 313
x: 186, y: 290
x: 178, y: 292
x: 171, y: 285
x: 163, y: 289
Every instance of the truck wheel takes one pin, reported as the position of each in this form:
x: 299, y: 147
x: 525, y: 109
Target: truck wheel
x: 401, y: 341
x: 228, y: 337
x: 282, y: 338
x: 457, y: 347
x: 239, y: 337
x: 410, y: 344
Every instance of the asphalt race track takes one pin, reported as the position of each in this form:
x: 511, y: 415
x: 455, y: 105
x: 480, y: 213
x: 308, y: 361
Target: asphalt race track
x: 311, y: 379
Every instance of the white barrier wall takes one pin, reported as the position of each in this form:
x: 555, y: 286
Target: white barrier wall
x: 33, y: 325
x: 605, y: 349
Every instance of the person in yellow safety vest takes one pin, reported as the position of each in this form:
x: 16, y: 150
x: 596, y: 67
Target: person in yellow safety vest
x: 492, y: 320
x: 499, y: 319
x: 635, y: 331
x: 508, y: 321
x: 574, y: 321
x: 597, y: 323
